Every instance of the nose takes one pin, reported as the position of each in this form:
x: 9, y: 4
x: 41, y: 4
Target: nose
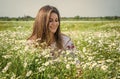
x: 53, y: 23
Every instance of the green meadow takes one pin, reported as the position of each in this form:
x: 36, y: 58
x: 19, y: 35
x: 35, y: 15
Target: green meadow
x: 97, y: 53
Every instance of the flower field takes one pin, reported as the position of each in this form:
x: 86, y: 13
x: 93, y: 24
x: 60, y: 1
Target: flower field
x: 97, y: 54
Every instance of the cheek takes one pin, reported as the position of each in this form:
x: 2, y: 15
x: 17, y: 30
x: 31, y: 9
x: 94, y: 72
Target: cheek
x: 57, y: 24
x: 50, y: 24
x: 54, y: 25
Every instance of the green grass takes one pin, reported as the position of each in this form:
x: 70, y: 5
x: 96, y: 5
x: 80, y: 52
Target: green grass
x: 97, y: 48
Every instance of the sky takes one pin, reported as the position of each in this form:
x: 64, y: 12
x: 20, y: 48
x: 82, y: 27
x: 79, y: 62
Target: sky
x: 67, y: 8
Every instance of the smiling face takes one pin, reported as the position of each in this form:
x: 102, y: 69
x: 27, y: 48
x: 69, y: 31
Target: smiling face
x: 53, y: 22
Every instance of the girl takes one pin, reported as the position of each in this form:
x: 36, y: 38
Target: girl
x: 46, y: 28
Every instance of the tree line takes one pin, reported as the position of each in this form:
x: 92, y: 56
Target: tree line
x: 75, y: 18
x: 24, y: 18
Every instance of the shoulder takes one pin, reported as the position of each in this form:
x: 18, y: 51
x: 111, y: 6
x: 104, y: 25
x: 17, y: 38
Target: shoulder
x: 67, y: 42
x: 65, y: 37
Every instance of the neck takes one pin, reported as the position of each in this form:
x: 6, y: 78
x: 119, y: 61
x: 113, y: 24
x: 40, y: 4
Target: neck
x: 52, y: 38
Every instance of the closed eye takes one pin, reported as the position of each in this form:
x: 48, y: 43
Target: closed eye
x: 56, y: 20
x: 51, y: 20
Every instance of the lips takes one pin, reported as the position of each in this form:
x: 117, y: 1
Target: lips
x: 53, y: 27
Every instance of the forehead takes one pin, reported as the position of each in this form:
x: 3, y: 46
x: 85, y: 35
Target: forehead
x: 53, y: 15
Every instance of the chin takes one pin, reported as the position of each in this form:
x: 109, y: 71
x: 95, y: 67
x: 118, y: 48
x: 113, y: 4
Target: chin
x: 53, y: 31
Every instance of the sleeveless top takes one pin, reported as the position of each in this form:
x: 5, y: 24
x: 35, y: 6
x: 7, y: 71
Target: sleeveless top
x: 67, y: 43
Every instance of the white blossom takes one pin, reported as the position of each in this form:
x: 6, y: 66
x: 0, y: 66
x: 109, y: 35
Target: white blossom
x: 28, y: 73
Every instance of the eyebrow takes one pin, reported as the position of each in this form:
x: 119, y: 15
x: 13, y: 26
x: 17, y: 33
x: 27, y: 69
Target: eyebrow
x: 52, y: 18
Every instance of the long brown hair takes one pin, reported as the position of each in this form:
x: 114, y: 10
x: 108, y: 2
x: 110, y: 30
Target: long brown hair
x: 40, y: 27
